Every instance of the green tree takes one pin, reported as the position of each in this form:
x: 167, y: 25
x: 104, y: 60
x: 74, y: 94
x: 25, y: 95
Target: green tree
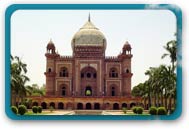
x: 171, y: 52
x: 18, y: 79
x: 161, y: 83
x: 142, y: 90
x: 35, y: 90
x: 171, y: 88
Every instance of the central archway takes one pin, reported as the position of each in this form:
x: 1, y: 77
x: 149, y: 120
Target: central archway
x: 88, y: 81
x: 88, y: 91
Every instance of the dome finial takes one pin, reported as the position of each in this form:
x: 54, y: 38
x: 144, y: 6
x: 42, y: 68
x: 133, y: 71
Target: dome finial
x: 89, y: 18
x: 50, y: 41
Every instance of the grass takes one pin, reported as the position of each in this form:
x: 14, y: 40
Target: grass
x: 145, y: 113
x: 31, y: 113
x: 48, y: 112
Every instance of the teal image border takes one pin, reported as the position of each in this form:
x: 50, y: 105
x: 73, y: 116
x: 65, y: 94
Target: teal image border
x: 12, y: 8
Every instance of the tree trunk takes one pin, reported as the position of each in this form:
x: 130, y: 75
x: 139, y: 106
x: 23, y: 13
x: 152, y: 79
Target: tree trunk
x: 166, y: 98
x: 155, y: 99
x: 13, y: 100
x: 149, y: 100
x: 162, y: 103
x: 158, y: 99
x: 174, y: 102
x: 149, y: 97
x: 145, y: 103
x: 170, y: 103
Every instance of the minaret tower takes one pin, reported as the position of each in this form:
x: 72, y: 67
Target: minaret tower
x: 126, y: 69
x: 50, y: 73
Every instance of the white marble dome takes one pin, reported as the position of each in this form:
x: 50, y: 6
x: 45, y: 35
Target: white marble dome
x: 88, y: 35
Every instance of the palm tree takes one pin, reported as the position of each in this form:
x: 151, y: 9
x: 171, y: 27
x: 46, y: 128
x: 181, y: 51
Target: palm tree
x: 171, y: 90
x: 23, y: 90
x: 171, y: 49
x: 150, y: 83
x: 168, y: 84
x: 18, y: 79
x: 160, y: 86
x: 21, y: 66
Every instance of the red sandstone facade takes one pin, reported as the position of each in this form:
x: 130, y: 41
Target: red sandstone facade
x: 88, y: 70
x: 88, y: 79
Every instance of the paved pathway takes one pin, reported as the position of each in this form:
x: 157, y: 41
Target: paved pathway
x: 71, y: 112
x: 60, y: 113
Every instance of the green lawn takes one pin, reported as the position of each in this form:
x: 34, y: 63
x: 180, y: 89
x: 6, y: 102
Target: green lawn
x: 144, y: 114
x: 131, y: 113
x: 48, y: 112
x: 31, y: 113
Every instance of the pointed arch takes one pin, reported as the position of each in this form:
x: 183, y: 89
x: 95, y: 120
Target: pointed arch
x: 113, y: 72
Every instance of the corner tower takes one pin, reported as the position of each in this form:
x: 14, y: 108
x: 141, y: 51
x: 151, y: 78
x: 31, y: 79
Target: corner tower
x: 126, y: 57
x: 50, y: 73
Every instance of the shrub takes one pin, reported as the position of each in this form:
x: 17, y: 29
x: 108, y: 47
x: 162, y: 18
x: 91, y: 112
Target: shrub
x: 139, y: 110
x: 14, y: 109
x: 27, y: 102
x: 51, y: 108
x: 34, y: 109
x: 134, y: 110
x: 39, y: 109
x: 124, y: 109
x: 153, y: 111
x: 22, y: 109
x: 161, y: 111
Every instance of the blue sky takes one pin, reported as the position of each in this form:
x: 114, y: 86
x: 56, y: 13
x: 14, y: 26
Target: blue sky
x: 146, y: 30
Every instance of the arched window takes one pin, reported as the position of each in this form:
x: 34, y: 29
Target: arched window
x: 97, y: 106
x: 49, y: 70
x: 64, y: 72
x: 88, y: 75
x: 52, y: 104
x: 60, y: 105
x: 127, y: 70
x: 88, y: 106
x: 115, y: 106
x: 113, y: 91
x: 113, y: 73
x: 79, y: 106
x: 124, y: 105
x: 35, y: 103
x: 88, y: 91
x: 63, y: 91
x: 44, y: 105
